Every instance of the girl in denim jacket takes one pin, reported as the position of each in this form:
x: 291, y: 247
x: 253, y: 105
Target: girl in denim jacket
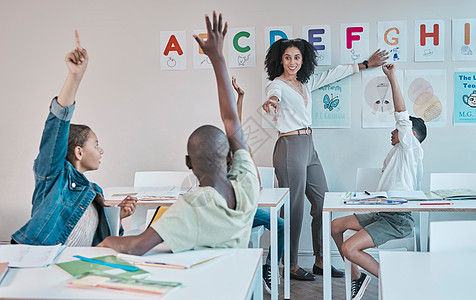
x: 68, y: 208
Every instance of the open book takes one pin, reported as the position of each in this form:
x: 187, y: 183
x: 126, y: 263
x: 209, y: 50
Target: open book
x: 28, y: 256
x: 181, y: 260
x: 456, y: 194
x: 391, y: 194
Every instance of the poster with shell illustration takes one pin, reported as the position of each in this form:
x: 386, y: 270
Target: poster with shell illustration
x: 465, y: 98
x: 377, y: 100
x: 425, y: 92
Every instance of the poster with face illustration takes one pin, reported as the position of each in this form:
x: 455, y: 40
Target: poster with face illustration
x: 331, y: 105
x: 377, y: 102
x: 465, y: 98
x: 425, y: 92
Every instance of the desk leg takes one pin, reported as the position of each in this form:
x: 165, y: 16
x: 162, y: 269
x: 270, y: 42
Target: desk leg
x: 424, y: 228
x: 274, y: 252
x: 258, y: 282
x: 287, y: 255
x: 326, y: 249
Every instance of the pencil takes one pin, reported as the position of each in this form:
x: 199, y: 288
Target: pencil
x: 435, y: 203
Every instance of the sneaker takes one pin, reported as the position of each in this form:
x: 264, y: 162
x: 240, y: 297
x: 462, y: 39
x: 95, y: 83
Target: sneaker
x: 267, y: 278
x: 359, y: 286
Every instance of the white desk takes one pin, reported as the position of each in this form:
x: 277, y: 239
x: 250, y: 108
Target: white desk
x: 274, y: 198
x: 427, y: 275
x: 234, y: 276
x: 333, y: 203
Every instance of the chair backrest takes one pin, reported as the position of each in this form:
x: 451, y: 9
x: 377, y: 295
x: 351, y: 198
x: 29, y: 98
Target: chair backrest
x: 367, y: 179
x: 165, y: 178
x: 266, y: 175
x: 452, y: 181
x: 454, y: 236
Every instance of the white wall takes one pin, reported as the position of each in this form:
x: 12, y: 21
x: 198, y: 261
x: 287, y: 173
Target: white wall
x: 143, y: 116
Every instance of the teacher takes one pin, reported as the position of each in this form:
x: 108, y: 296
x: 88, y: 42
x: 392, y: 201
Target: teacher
x: 290, y: 65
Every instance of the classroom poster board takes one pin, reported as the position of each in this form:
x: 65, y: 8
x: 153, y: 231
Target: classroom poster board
x: 464, y: 98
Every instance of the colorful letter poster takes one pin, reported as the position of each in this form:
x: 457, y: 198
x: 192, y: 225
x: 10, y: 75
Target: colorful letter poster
x: 426, y: 90
x: 377, y: 103
x: 464, y: 39
x: 173, y: 46
x: 272, y: 34
x: 241, y: 47
x: 392, y: 36
x: 354, y: 45
x: 267, y: 120
x: 465, y: 98
x: 331, y: 105
x: 200, y: 60
x: 430, y: 40
x: 320, y: 37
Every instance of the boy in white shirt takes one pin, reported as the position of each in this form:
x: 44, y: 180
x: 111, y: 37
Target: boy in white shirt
x: 402, y: 170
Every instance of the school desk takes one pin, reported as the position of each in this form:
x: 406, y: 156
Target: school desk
x: 273, y: 198
x: 333, y: 202
x: 426, y: 275
x: 234, y: 276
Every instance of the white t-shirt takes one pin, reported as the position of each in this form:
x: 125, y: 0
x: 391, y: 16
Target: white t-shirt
x: 294, y: 112
x: 403, y: 167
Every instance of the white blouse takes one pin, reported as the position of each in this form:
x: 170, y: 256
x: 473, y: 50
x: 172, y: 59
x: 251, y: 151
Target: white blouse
x: 294, y: 110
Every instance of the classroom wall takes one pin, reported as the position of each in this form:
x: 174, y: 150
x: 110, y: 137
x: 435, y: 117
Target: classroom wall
x: 143, y: 115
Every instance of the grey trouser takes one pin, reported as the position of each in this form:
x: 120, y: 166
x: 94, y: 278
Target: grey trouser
x: 298, y: 168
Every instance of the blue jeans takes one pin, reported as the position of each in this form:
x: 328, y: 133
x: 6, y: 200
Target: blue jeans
x: 262, y: 219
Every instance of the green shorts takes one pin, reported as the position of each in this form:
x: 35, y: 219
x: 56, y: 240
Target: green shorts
x: 385, y: 226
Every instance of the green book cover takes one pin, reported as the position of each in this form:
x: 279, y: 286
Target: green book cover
x: 78, y: 267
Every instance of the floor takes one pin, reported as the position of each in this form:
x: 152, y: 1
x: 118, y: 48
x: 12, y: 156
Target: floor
x: 307, y: 290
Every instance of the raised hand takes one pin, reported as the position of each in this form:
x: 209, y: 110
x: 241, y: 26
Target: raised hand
x: 236, y: 86
x: 389, y: 69
x: 77, y: 60
x: 213, y: 45
x: 378, y: 58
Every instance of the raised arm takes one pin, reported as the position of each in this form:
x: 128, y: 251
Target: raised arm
x: 213, y: 47
x: 77, y: 62
x: 398, y: 102
x: 241, y: 95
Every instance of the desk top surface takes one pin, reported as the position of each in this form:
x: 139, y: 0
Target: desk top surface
x: 334, y: 201
x: 269, y: 197
x: 230, y: 277
x: 427, y: 275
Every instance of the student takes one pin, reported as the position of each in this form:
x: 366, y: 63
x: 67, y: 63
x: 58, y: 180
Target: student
x: 262, y: 217
x: 290, y: 65
x: 219, y: 213
x: 402, y: 170
x: 68, y: 208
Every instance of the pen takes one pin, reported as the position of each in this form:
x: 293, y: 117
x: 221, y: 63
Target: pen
x: 158, y: 264
x: 435, y: 203
x: 112, y: 265
x: 367, y: 193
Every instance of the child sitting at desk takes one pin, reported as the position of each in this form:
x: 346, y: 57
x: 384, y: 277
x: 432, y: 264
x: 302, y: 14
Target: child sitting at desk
x: 67, y: 207
x: 402, y: 170
x: 220, y: 212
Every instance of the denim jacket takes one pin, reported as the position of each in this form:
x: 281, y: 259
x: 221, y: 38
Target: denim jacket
x: 62, y: 193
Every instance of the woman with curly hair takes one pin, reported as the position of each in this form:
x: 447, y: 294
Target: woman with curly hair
x: 290, y: 65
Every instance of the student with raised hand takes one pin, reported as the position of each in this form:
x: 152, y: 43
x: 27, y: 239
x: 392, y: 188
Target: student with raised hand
x: 262, y: 217
x: 68, y: 208
x: 402, y: 171
x: 219, y: 213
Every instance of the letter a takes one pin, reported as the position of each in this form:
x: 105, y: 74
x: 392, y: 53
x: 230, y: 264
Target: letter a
x: 173, y: 45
